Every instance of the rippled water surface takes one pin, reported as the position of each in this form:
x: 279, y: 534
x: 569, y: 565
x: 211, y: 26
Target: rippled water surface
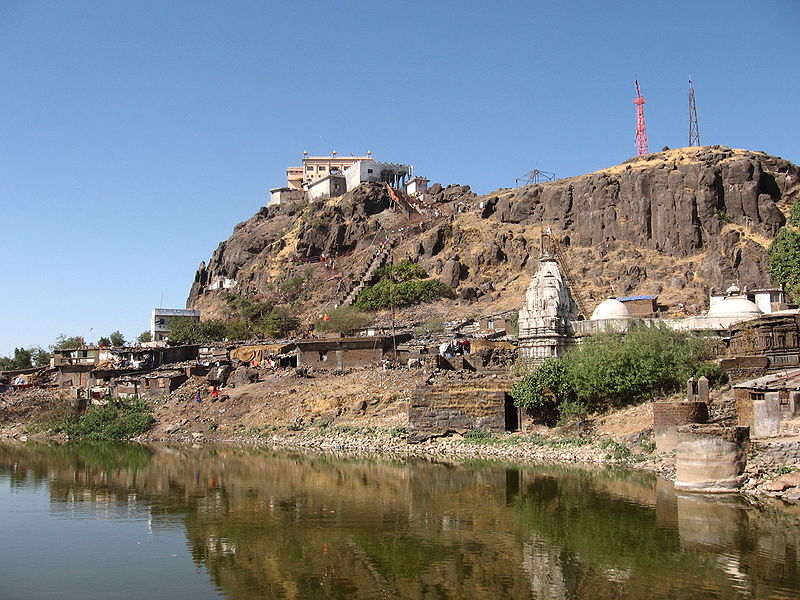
x: 102, y: 521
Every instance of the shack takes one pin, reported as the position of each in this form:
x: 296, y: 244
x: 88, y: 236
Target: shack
x: 640, y: 306
x: 263, y: 354
x: 346, y: 352
x: 763, y: 403
x: 211, y: 354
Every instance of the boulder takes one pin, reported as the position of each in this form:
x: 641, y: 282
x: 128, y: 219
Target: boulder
x: 451, y: 273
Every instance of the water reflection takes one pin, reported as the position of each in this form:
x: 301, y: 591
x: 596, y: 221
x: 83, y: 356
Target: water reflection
x: 295, y: 525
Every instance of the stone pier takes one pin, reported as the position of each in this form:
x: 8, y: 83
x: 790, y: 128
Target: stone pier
x: 710, y: 458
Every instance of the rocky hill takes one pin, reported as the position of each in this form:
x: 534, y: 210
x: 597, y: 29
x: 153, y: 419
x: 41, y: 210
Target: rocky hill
x: 673, y: 223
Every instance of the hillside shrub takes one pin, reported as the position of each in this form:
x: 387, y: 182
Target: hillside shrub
x: 794, y: 214
x: 405, y: 270
x: 386, y: 294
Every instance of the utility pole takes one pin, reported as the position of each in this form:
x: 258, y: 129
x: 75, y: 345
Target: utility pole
x: 641, y: 129
x: 694, y: 127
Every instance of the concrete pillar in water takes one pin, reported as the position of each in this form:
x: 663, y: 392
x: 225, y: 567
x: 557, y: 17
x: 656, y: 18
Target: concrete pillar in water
x: 668, y: 416
x: 710, y: 458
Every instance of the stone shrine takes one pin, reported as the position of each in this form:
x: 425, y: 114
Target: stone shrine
x: 545, y: 329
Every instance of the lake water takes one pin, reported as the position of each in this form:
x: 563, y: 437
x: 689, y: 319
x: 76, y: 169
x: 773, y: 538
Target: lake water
x: 119, y: 522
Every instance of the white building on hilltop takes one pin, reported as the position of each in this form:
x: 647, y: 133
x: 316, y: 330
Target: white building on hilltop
x: 372, y: 171
x: 329, y: 176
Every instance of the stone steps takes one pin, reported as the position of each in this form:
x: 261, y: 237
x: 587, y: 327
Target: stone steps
x: 365, y: 277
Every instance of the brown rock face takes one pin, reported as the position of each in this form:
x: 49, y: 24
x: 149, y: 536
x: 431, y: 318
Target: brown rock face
x: 673, y: 223
x: 673, y: 201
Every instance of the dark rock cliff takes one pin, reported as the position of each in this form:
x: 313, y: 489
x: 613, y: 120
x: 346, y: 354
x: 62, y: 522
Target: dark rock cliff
x: 673, y: 223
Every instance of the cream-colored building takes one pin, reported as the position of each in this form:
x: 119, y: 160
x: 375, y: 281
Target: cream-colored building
x: 315, y: 168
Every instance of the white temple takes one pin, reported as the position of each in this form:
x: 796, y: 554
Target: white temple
x: 545, y: 321
x: 549, y: 325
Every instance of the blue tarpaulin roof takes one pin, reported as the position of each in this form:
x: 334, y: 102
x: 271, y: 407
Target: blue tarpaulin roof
x: 632, y: 298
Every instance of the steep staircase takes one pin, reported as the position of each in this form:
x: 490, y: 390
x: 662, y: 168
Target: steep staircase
x: 402, y: 200
x: 363, y: 279
x: 567, y: 274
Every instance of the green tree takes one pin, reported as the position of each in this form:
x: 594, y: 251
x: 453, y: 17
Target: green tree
x: 280, y: 322
x: 25, y: 358
x: 189, y: 331
x: 543, y: 388
x: 104, y: 341
x: 343, y: 319
x: 784, y: 259
x: 291, y: 290
x: 39, y: 356
x: 64, y: 342
x: 20, y: 360
x: 117, y: 339
x: 386, y: 294
x: 144, y: 337
x: 239, y: 329
x: 247, y: 309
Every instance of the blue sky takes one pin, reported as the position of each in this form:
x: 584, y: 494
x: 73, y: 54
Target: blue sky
x: 136, y: 135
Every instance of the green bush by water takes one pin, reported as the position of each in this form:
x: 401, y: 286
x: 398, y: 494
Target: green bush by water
x: 113, y: 422
x: 611, y: 369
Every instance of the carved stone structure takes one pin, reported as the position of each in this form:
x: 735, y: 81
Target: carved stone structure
x: 775, y: 336
x: 545, y: 329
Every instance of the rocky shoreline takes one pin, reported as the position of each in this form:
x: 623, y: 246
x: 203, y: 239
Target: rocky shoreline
x: 763, y: 480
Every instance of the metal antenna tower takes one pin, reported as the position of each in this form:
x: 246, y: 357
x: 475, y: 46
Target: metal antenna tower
x: 694, y: 128
x: 535, y: 176
x: 641, y: 129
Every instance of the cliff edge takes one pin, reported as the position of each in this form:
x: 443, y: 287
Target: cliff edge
x: 672, y: 223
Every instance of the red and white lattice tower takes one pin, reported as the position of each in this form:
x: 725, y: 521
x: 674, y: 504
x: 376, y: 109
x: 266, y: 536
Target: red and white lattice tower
x: 641, y: 129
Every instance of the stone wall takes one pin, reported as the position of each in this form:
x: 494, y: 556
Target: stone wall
x: 439, y: 409
x: 667, y: 416
x: 340, y: 359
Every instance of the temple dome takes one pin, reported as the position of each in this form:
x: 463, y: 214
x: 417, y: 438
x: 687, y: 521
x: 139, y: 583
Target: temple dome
x: 733, y: 306
x: 611, y: 309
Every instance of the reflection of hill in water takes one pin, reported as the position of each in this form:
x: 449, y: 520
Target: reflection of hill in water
x: 307, y: 526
